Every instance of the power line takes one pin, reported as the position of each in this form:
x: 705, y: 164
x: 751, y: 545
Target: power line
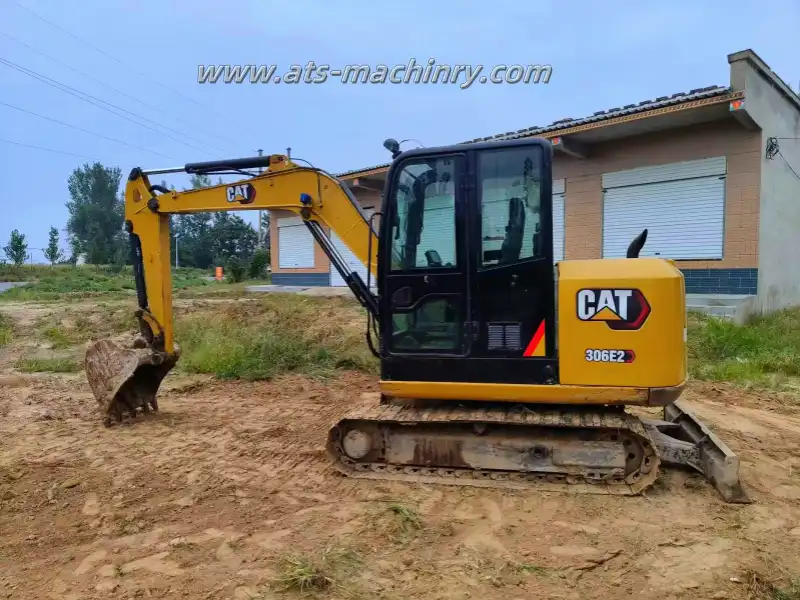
x: 63, y: 85
x: 51, y: 150
x: 74, y: 92
x: 113, y: 89
x: 773, y: 149
x: 788, y: 165
x: 115, y: 59
x: 100, y: 135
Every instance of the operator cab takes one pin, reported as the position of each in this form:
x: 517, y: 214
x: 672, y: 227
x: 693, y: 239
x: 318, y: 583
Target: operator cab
x: 466, y: 264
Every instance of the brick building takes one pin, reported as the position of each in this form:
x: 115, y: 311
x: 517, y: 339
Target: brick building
x: 699, y: 169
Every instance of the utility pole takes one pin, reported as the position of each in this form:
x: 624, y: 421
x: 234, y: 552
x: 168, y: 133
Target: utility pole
x: 260, y: 212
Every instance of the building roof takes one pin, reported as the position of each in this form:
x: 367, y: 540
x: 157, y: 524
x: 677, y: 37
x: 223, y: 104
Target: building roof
x: 601, y: 115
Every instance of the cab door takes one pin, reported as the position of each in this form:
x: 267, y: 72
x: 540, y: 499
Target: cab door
x: 425, y: 303
x: 512, y: 280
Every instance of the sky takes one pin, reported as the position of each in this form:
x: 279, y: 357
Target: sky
x: 142, y: 56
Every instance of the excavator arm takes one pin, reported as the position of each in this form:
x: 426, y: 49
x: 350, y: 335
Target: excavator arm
x: 126, y: 379
x: 319, y: 198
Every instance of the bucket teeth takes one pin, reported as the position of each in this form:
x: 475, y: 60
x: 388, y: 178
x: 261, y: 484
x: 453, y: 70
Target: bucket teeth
x: 126, y: 380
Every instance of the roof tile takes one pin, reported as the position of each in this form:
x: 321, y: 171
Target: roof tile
x: 601, y: 115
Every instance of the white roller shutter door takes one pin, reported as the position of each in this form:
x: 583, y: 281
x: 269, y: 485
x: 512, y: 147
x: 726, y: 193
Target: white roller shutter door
x: 682, y: 205
x: 295, y: 244
x: 558, y: 220
x: 438, y: 230
x: 355, y: 264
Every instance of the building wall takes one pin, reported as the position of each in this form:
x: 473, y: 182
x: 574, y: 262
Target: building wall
x: 737, y: 272
x: 314, y: 276
x: 319, y: 274
x: 776, y: 111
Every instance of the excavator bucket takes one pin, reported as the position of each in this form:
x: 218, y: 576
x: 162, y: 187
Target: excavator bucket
x: 125, y: 380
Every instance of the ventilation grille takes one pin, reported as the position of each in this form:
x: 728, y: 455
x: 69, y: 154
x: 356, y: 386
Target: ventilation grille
x: 504, y: 336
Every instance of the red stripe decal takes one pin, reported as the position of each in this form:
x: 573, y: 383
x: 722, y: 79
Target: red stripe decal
x: 535, y: 341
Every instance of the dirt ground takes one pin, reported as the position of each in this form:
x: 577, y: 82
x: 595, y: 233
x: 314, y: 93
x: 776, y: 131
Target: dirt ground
x: 206, y: 499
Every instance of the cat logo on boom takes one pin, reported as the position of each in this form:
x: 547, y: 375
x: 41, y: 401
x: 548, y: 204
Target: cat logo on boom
x: 625, y: 309
x: 243, y: 194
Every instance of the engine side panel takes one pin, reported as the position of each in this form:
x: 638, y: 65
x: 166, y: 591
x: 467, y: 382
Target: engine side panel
x: 621, y: 322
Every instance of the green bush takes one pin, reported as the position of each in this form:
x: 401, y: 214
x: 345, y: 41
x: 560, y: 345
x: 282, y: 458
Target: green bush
x: 235, y: 270
x: 258, y: 264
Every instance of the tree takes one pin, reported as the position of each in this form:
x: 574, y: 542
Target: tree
x: 96, y: 212
x: 74, y: 251
x: 17, y: 249
x: 192, y: 232
x: 232, y: 236
x: 208, y: 239
x: 53, y: 252
x: 258, y: 264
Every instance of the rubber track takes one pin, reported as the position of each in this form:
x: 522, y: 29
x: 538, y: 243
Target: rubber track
x: 632, y: 484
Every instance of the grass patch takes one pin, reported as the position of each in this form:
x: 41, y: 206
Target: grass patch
x: 405, y: 520
x: 48, y: 365
x: 6, y: 331
x: 761, y: 587
x: 312, y: 574
x: 85, y: 281
x: 281, y: 333
x: 58, y: 337
x: 765, y: 351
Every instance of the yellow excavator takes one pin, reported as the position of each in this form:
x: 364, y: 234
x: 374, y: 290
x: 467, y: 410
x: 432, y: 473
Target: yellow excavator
x: 499, y: 366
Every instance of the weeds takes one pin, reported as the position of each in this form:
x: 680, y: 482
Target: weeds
x: 529, y: 569
x: 6, y: 331
x: 405, y: 520
x: 47, y: 365
x: 58, y: 337
x: 760, y: 587
x: 283, y: 333
x: 765, y: 351
x: 313, y: 574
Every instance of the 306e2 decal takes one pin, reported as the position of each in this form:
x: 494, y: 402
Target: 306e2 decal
x: 610, y: 356
x: 620, y: 309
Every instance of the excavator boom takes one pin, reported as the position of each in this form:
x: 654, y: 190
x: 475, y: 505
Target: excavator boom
x: 321, y: 200
x: 494, y: 369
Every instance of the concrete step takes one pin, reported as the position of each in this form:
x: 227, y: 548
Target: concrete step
x: 735, y: 307
x: 719, y: 311
x: 717, y: 299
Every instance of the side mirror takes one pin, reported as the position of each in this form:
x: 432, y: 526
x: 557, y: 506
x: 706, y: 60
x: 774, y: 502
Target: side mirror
x: 636, y: 245
x: 393, y: 146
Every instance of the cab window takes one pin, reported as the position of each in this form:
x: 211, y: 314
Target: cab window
x: 424, y: 226
x: 509, y: 189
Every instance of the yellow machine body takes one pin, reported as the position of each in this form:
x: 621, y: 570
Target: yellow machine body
x: 620, y: 340
x: 616, y: 310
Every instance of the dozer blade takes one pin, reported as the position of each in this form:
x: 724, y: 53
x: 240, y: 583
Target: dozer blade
x: 683, y: 440
x: 587, y: 450
x: 125, y: 380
